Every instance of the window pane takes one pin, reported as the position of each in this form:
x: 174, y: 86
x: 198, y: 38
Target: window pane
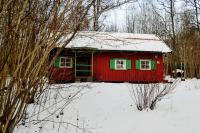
x: 62, y: 64
x: 143, y: 66
x: 142, y: 62
x: 147, y: 64
x: 62, y: 59
x: 68, y: 60
x: 68, y: 64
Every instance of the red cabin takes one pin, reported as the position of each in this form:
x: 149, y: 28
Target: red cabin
x: 111, y: 57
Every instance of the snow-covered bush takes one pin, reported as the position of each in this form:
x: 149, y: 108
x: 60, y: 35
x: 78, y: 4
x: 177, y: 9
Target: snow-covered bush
x: 148, y: 95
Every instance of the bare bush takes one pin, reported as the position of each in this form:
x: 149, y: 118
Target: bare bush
x: 29, y: 30
x: 148, y: 95
x: 52, y: 107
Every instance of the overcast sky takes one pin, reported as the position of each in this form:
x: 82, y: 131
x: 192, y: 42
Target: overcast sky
x: 118, y: 15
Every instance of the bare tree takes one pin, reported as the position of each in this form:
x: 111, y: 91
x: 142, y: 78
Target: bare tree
x: 145, y: 20
x: 196, y: 4
x: 100, y: 6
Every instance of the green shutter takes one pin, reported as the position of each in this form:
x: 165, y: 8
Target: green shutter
x: 153, y: 65
x: 57, y: 62
x: 112, y: 64
x: 128, y: 64
x: 138, y: 64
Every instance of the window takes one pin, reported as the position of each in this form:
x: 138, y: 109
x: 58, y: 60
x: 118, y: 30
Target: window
x: 145, y: 64
x: 120, y: 64
x: 66, y: 62
x: 63, y: 62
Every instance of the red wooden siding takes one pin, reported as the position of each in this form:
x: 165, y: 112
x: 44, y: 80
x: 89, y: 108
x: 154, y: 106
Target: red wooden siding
x: 102, y: 71
x: 62, y: 74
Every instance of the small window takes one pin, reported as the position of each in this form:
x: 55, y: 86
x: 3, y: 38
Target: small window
x: 120, y: 64
x: 66, y: 62
x: 63, y: 62
x: 145, y: 64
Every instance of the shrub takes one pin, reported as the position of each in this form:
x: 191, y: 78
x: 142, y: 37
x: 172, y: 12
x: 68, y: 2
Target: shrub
x: 148, y: 95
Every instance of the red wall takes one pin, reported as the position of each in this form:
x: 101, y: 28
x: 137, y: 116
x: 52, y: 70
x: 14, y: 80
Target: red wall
x: 61, y: 74
x: 102, y: 71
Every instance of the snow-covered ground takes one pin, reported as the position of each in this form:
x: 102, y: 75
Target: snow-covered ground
x: 108, y: 108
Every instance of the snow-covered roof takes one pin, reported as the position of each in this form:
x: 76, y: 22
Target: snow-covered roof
x: 118, y: 42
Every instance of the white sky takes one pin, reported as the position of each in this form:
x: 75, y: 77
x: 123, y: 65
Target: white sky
x: 118, y: 15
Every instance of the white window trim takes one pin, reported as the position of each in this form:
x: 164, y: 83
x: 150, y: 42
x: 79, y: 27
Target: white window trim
x: 66, y: 66
x: 145, y: 68
x: 123, y: 65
